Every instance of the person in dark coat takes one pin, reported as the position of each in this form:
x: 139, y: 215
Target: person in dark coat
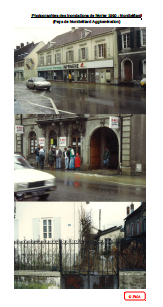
x: 77, y: 162
x: 37, y: 150
x: 106, y: 157
x: 42, y: 157
x: 51, y: 158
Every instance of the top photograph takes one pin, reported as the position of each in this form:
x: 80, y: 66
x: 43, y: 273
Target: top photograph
x: 80, y: 70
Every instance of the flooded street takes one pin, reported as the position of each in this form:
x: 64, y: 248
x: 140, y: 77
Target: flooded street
x: 81, y: 98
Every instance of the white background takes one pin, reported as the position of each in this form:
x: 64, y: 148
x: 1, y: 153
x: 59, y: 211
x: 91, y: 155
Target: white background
x: 17, y: 14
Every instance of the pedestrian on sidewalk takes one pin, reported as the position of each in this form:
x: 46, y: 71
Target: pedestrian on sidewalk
x: 58, y: 155
x: 37, y: 150
x: 70, y: 78
x: 72, y: 158
x: 42, y: 157
x: 106, y: 157
x: 51, y: 158
x: 77, y: 162
x: 66, y: 155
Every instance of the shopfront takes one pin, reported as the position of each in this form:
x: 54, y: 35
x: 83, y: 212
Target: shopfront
x: 51, y: 72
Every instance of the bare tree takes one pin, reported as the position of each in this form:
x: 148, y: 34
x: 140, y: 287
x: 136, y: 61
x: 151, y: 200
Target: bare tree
x: 85, y: 222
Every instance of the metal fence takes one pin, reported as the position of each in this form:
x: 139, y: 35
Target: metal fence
x: 84, y: 257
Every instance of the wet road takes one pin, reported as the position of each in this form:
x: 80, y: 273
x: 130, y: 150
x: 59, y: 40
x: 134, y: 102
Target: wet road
x: 81, y: 99
x: 73, y: 186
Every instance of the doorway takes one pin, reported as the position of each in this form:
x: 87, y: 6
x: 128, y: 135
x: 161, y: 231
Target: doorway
x: 128, y: 70
x: 104, y: 137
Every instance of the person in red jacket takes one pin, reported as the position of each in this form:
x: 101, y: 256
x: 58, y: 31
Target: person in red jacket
x: 77, y: 162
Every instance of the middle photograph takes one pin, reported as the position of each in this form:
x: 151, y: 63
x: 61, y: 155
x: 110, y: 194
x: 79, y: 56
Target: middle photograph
x: 80, y: 157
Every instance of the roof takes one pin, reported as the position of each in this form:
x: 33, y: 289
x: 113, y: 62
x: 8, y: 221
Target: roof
x: 106, y: 231
x: 141, y: 207
x: 73, y: 36
x: 21, y: 53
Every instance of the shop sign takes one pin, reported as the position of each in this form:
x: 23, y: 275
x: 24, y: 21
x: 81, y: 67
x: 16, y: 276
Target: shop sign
x: 62, y: 141
x: 50, y: 68
x: 114, y: 122
x: 42, y: 141
x: 71, y: 66
x: 19, y: 129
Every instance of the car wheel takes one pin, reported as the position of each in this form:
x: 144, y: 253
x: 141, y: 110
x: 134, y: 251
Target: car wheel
x: 43, y: 197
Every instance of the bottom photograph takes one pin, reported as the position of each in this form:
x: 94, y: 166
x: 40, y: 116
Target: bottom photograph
x: 79, y: 245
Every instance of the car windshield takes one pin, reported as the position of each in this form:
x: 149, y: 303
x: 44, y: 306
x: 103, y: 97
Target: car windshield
x: 39, y: 79
x: 20, y: 163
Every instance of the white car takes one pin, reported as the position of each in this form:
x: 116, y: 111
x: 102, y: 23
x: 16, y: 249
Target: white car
x: 38, y: 83
x: 29, y: 182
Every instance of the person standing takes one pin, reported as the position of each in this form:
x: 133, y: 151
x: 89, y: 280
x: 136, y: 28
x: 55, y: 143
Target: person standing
x: 42, y: 157
x: 58, y: 154
x: 77, y: 162
x: 37, y: 150
x: 65, y: 153
x: 70, y: 78
x: 106, y: 157
x: 72, y: 159
x: 51, y: 158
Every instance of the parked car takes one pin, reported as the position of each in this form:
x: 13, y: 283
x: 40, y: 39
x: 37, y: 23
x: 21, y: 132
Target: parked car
x: 38, y: 83
x: 29, y: 182
x: 143, y: 83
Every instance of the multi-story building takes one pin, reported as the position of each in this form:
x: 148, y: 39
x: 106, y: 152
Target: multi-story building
x: 88, y: 135
x: 131, y: 54
x: 88, y: 54
x: 26, y: 60
x: 135, y: 222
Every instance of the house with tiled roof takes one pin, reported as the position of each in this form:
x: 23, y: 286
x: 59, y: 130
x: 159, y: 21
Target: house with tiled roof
x: 26, y: 60
x: 88, y: 54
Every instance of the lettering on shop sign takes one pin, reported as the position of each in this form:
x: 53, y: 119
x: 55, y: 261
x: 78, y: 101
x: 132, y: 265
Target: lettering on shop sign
x: 71, y: 66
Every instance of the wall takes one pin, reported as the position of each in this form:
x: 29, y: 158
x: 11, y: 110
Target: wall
x: 138, y: 141
x: 36, y: 280
x: 132, y: 280
x: 28, y: 73
x: 89, y: 282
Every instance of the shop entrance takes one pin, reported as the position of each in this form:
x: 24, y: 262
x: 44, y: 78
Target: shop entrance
x: 103, y: 137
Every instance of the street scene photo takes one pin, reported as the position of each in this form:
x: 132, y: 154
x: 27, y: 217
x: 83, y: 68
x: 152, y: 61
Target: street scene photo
x: 94, y: 70
x: 80, y: 157
x: 78, y: 245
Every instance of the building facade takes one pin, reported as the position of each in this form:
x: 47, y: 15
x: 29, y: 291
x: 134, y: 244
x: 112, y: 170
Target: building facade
x: 88, y: 135
x: 135, y: 222
x: 26, y: 60
x: 88, y: 54
x: 131, y: 54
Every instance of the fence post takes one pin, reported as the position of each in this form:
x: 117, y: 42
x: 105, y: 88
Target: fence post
x: 118, y: 262
x: 60, y: 255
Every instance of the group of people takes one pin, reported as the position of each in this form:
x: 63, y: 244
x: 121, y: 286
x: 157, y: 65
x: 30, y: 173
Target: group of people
x: 72, y: 161
x: 68, y: 77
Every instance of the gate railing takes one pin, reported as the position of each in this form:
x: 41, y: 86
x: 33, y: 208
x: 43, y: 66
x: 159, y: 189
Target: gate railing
x: 84, y: 257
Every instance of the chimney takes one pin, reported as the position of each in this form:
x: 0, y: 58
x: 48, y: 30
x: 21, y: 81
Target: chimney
x: 132, y: 207
x: 128, y: 210
x: 17, y: 47
x: 99, y: 219
x: 27, y: 43
x: 21, y: 45
x: 72, y: 29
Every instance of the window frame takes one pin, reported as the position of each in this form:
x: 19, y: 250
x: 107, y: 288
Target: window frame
x: 42, y: 228
x: 142, y: 38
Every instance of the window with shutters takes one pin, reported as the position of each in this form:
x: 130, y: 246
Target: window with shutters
x: 126, y: 40
x: 100, y: 51
x: 48, y: 59
x: 42, y: 60
x: 70, y: 56
x: 132, y: 229
x: 47, y: 228
x: 83, y: 53
x: 57, y: 58
x: 143, y: 37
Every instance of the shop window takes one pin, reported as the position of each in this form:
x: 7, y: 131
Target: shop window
x: 53, y: 138
x: 33, y: 142
x: 82, y: 75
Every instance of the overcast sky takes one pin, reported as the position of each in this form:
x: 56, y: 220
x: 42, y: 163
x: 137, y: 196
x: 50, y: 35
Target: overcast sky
x: 45, y: 34
x: 112, y: 213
